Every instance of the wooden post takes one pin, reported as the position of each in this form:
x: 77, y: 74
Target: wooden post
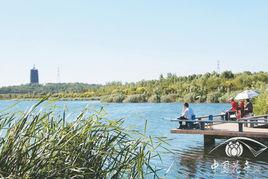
x: 240, y: 126
x: 223, y: 117
x: 202, y: 124
x: 252, y: 124
x: 209, y: 140
x: 246, y: 124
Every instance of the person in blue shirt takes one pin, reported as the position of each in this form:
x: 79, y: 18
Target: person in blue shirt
x: 187, y: 114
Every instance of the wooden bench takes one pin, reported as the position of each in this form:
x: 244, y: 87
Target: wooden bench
x: 253, y: 121
x: 202, y: 117
x: 203, y: 123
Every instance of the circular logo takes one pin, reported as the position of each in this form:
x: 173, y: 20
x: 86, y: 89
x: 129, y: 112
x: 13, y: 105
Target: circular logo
x: 234, y: 149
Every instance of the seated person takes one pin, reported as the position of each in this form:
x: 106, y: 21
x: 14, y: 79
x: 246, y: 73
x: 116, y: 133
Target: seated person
x: 187, y: 114
x: 248, y: 108
x: 241, y: 108
x: 231, y: 111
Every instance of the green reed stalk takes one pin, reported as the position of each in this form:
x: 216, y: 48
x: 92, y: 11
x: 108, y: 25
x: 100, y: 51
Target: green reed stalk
x: 45, y: 145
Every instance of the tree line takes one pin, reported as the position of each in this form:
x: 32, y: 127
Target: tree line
x: 209, y: 87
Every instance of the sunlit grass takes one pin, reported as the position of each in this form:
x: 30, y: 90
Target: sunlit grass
x: 40, y: 144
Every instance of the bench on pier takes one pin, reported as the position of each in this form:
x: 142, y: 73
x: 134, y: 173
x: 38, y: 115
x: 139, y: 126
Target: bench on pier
x: 200, y: 120
x: 209, y: 117
x: 252, y: 121
x: 240, y: 123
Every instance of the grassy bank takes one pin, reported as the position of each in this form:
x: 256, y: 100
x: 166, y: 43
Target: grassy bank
x: 38, y: 144
x: 208, y: 87
x: 261, y: 104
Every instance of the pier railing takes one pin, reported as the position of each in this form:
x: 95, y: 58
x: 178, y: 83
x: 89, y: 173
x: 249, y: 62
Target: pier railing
x: 209, y: 121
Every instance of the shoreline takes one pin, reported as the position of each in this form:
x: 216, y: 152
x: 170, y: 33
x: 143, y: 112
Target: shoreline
x: 99, y: 100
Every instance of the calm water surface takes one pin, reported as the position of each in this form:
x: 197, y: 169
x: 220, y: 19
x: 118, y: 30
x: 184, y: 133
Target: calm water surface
x: 190, y: 159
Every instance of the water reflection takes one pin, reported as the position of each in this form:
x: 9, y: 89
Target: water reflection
x: 191, y: 159
x: 196, y: 162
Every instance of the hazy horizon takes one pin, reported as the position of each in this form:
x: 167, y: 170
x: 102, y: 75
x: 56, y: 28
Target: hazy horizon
x: 128, y: 41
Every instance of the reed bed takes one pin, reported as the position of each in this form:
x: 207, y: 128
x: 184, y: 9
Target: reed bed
x: 39, y: 144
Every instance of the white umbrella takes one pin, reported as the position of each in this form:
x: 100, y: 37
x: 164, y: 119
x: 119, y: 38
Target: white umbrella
x: 248, y: 94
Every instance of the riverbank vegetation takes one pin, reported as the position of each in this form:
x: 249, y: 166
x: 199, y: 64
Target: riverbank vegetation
x: 261, y: 104
x: 38, y: 144
x: 208, y: 87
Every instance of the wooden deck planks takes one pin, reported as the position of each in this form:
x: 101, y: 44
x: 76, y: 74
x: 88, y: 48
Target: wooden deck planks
x: 227, y: 131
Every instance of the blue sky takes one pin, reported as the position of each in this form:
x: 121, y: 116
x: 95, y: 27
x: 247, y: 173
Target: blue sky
x: 129, y: 40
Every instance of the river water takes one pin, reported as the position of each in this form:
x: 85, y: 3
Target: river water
x: 189, y: 158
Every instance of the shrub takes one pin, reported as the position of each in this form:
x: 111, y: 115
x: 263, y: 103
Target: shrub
x: 170, y: 98
x: 107, y: 99
x: 201, y: 99
x: 115, y: 98
x: 118, y: 98
x: 190, y: 98
x: 225, y: 98
x: 213, y: 97
x: 154, y: 99
x: 136, y: 98
x: 261, y: 104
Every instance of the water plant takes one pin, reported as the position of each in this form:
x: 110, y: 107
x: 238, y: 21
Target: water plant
x: 42, y: 144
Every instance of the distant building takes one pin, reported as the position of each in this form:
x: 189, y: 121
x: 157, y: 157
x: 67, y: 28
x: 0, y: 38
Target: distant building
x: 34, y: 79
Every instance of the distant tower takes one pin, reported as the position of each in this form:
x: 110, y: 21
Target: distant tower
x: 34, y: 79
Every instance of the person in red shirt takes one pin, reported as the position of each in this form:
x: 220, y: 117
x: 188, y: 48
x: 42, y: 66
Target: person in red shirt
x: 233, y: 109
x: 234, y: 105
x: 242, y: 108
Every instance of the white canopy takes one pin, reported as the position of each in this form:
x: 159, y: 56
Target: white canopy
x: 248, y: 94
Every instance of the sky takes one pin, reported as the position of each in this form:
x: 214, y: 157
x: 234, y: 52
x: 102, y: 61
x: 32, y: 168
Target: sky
x: 129, y: 40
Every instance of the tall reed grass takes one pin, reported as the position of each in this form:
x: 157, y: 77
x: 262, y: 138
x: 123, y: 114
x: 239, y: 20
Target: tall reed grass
x: 40, y: 144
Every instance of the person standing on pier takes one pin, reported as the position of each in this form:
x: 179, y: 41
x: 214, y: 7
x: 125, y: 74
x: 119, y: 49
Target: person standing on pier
x: 187, y: 114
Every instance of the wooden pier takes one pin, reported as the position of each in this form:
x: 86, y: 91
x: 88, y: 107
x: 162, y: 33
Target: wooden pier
x: 217, y: 129
x: 228, y: 130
